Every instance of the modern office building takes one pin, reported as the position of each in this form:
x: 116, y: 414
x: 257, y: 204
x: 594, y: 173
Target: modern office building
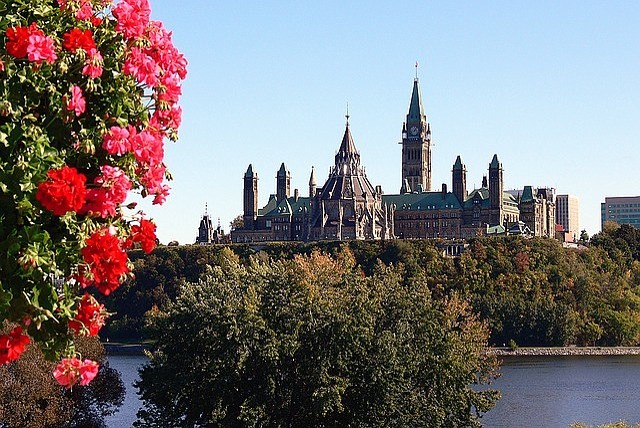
x: 621, y: 209
x: 567, y: 214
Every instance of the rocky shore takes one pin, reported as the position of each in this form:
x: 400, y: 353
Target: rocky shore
x: 567, y: 351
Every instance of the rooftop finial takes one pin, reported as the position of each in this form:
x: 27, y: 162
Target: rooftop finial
x: 205, y: 208
x: 347, y: 115
x: 416, y: 70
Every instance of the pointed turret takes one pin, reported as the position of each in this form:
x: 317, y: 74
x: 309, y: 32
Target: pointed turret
x: 312, y: 184
x: 459, y: 180
x: 283, y: 183
x: 347, y: 153
x: 416, y: 143
x: 250, y: 200
x: 495, y: 163
x: 416, y: 110
x: 496, y: 186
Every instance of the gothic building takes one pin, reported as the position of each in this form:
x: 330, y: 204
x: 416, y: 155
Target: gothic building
x: 207, y: 234
x: 348, y: 206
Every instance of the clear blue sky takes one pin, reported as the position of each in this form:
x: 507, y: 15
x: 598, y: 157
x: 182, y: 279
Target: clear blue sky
x: 552, y: 87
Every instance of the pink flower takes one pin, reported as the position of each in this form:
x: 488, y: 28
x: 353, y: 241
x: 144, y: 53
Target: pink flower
x: 161, y: 195
x: 132, y: 17
x: 85, y: 12
x: 169, y: 90
x: 153, y: 178
x: 148, y: 148
x: 41, y: 48
x: 1, y: 65
x: 70, y: 370
x: 141, y: 66
x: 93, y: 65
x: 77, y: 103
x: 112, y: 191
x: 116, y: 141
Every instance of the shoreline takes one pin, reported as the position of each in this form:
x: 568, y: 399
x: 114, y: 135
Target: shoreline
x: 561, y: 351
x: 565, y: 351
x: 125, y: 348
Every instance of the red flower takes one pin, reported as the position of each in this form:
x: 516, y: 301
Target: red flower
x: 70, y: 370
x: 91, y: 317
x: 78, y: 39
x: 30, y: 42
x: 106, y: 259
x: 12, y: 345
x: 17, y: 41
x: 145, y: 234
x: 64, y: 191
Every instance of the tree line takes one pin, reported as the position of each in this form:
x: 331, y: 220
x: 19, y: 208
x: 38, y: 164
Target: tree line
x: 533, y: 292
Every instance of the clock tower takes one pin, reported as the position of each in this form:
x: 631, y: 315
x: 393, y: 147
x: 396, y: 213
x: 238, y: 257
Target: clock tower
x: 416, y: 146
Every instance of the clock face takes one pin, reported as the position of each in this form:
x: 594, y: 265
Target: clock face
x: 414, y: 130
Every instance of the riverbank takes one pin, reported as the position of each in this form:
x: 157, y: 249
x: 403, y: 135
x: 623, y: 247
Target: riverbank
x: 125, y: 348
x: 566, y: 351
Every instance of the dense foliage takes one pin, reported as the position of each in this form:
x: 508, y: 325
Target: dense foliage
x: 531, y: 291
x: 30, y: 397
x: 313, y: 341
x: 88, y: 94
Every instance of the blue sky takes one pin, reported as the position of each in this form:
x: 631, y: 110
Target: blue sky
x: 552, y: 87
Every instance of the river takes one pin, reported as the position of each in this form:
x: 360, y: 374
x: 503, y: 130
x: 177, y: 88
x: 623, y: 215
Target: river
x: 536, y: 391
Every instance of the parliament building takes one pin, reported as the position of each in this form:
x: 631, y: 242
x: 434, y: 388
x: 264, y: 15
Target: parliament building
x: 348, y: 206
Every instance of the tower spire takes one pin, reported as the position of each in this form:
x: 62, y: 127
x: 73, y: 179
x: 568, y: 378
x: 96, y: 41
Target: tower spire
x: 416, y: 70
x: 347, y: 115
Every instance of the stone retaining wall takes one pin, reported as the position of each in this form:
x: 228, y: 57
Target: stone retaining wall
x: 561, y: 351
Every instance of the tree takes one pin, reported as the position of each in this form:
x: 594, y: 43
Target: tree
x: 313, y: 342
x: 584, y: 237
x: 31, y: 397
x: 237, y: 223
x: 88, y: 94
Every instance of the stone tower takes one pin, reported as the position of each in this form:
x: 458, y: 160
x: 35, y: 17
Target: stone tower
x: 250, y: 202
x: 416, y: 146
x: 348, y: 206
x: 459, y: 180
x: 312, y: 184
x: 496, y: 188
x: 283, y: 183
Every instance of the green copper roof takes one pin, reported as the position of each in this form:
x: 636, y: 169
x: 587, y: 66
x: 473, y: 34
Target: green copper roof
x: 286, y: 206
x: 422, y: 201
x: 527, y: 194
x: 416, y: 111
x: 494, y: 162
x: 249, y: 172
x: 458, y: 165
x: 282, y: 171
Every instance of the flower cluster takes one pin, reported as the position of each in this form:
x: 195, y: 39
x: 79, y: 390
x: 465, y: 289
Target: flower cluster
x: 71, y: 370
x: 12, y: 345
x: 107, y: 261
x: 63, y: 192
x: 30, y: 42
x: 92, y: 94
x: 90, y: 318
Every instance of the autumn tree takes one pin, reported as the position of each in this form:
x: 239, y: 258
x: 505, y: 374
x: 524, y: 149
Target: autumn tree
x: 311, y: 341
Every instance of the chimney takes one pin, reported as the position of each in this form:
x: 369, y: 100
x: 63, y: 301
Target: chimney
x: 444, y: 190
x: 295, y: 195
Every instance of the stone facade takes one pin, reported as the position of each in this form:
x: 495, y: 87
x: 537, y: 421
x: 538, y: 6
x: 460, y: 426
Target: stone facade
x: 207, y: 234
